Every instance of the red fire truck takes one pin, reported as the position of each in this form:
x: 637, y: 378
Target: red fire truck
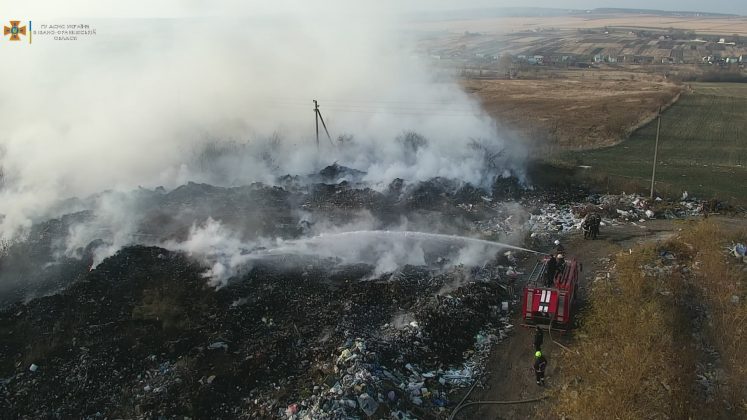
x: 550, y: 298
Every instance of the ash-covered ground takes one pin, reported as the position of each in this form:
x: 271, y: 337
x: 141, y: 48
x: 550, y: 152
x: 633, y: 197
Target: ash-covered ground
x: 212, y: 302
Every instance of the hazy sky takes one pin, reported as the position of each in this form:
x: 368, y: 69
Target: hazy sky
x: 714, y: 6
x: 233, y: 8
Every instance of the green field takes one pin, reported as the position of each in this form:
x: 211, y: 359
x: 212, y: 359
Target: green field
x: 702, y: 148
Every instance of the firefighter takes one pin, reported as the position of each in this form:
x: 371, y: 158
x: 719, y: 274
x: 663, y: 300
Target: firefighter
x: 540, y: 363
x: 538, y: 338
x: 550, y: 269
x: 561, y: 262
x: 587, y: 226
x: 595, y: 222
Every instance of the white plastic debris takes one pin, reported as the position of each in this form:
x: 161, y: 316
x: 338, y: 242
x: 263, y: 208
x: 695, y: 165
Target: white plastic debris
x: 33, y: 367
x: 739, y: 250
x: 218, y: 345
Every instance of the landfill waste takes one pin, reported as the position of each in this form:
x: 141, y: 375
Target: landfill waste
x: 170, y: 352
x: 139, y: 332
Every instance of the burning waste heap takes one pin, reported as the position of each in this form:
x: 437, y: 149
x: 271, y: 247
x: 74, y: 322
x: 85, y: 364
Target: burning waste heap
x: 186, y: 312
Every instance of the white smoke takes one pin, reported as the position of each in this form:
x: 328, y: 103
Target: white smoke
x: 225, y: 100
x: 113, y: 221
x: 216, y: 246
x: 227, y: 256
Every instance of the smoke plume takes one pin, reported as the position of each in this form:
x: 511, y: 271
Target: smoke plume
x: 224, y: 95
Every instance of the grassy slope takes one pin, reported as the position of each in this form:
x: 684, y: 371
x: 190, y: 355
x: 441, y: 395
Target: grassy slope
x: 636, y: 353
x: 702, y: 146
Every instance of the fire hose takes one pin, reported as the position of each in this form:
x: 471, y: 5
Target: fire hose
x: 462, y: 403
x: 460, y: 407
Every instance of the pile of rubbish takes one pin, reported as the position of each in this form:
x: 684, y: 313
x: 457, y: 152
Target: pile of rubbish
x: 550, y: 219
x: 632, y: 207
x: 141, y: 335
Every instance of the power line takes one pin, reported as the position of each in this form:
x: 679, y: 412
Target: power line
x: 318, y: 117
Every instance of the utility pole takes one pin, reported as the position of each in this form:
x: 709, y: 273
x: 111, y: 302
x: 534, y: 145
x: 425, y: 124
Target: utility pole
x: 318, y: 117
x: 656, y: 150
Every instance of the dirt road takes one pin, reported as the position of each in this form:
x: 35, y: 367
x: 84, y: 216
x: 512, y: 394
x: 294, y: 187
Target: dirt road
x: 511, y: 377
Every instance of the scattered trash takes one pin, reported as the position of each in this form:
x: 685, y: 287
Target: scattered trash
x: 291, y: 410
x: 33, y: 367
x: 739, y: 250
x: 367, y: 404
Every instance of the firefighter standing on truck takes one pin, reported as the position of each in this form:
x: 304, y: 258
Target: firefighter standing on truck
x: 550, y: 269
x: 540, y: 363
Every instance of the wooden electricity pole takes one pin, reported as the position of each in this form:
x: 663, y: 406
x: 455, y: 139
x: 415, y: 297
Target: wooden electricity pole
x: 656, y: 151
x: 318, y: 117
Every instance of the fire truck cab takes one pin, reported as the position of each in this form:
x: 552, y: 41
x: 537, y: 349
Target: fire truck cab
x: 550, y: 298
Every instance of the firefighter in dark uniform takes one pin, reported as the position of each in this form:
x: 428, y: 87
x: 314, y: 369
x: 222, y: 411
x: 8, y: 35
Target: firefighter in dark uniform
x: 550, y: 269
x: 540, y: 363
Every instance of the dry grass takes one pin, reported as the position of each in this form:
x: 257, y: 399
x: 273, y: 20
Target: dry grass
x: 719, y: 279
x: 573, y: 113
x: 625, y: 363
x: 636, y: 356
x: 702, y: 25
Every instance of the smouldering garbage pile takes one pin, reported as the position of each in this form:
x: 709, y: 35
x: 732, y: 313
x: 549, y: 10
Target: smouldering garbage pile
x: 141, y: 335
x: 411, y: 366
x: 138, y: 331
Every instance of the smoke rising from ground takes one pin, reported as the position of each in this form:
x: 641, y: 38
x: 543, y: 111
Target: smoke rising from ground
x: 228, y: 101
x: 385, y: 251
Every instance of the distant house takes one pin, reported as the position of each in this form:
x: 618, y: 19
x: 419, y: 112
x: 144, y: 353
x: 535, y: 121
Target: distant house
x: 537, y: 59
